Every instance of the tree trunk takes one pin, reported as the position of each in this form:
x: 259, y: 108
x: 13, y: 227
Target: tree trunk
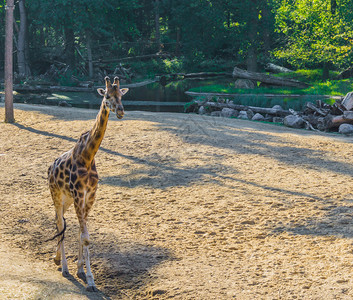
x: 157, y: 26
x: 333, y: 6
x: 9, y: 114
x: 239, y: 73
x: 89, y: 54
x: 69, y: 46
x: 251, y: 61
x: 266, y: 30
x: 325, y: 71
x: 177, y: 46
x: 23, y: 67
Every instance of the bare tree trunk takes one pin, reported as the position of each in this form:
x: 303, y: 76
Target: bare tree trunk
x: 89, y: 54
x: 251, y: 62
x: 333, y: 6
x: 9, y: 115
x: 325, y: 71
x: 69, y: 46
x: 23, y: 68
x: 157, y: 26
x: 266, y: 30
x: 177, y: 46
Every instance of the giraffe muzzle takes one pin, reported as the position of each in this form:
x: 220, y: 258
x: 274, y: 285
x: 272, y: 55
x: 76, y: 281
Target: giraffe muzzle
x: 120, y: 112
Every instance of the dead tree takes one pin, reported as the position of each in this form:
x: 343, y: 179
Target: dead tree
x: 9, y: 114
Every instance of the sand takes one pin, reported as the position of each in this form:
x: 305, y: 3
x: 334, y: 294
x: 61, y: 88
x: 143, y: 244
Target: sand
x: 188, y: 207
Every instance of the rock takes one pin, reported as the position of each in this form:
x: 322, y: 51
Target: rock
x: 243, y: 115
x: 277, y: 107
x: 216, y: 113
x: 64, y: 104
x: 277, y: 120
x: 293, y: 121
x: 244, y: 84
x: 268, y: 118
x: 202, y: 110
x: 227, y: 112
x: 250, y: 114
x: 346, y: 129
x: 258, y: 117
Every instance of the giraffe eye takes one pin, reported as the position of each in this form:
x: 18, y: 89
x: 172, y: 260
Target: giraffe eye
x: 107, y: 96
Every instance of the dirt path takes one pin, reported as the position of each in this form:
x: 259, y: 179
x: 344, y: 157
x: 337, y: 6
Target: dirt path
x: 188, y: 207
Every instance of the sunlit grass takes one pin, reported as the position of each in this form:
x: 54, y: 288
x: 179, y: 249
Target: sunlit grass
x: 332, y: 87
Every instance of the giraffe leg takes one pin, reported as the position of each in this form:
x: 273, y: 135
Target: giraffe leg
x: 80, y: 261
x: 91, y: 287
x: 83, y: 252
x: 60, y: 225
x: 60, y: 252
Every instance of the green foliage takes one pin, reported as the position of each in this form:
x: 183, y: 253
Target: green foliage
x: 200, y: 35
x: 312, y: 34
x: 308, y: 76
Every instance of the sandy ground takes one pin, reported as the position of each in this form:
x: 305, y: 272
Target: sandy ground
x: 188, y: 207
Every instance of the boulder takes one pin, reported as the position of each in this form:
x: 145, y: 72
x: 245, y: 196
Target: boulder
x: 293, y: 121
x: 216, y: 113
x: 258, y: 117
x: 64, y: 103
x: 227, y: 112
x: 277, y: 107
x: 277, y: 120
x: 243, y: 115
x: 250, y: 114
x: 244, y: 84
x: 202, y: 110
x: 346, y: 129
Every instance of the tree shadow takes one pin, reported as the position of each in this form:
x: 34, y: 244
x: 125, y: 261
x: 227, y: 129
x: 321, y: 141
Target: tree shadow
x: 242, y: 138
x: 49, y: 289
x: 338, y: 222
x: 118, y: 266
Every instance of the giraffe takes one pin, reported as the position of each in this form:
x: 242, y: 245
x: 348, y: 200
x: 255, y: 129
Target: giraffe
x: 73, y: 178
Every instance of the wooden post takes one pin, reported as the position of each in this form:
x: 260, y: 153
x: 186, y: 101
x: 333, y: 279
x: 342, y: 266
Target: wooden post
x: 9, y: 18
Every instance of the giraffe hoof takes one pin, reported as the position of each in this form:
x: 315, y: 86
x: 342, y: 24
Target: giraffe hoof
x: 82, y: 276
x: 57, y: 261
x: 65, y: 273
x: 91, y: 288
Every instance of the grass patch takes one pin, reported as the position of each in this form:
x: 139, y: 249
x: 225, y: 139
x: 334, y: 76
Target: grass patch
x: 333, y: 87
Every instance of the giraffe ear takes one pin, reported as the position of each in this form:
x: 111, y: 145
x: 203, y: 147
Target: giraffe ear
x: 124, y: 91
x: 101, y: 92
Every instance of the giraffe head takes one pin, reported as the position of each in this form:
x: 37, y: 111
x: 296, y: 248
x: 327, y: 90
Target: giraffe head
x: 112, y: 96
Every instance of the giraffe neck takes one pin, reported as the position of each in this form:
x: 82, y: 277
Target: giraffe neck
x: 94, y: 137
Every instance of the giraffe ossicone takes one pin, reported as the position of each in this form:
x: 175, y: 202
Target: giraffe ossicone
x: 73, y: 179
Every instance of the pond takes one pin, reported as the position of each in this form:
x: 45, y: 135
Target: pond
x: 158, y: 98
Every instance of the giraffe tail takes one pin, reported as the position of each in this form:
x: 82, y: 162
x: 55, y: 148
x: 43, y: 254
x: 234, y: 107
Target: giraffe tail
x: 61, y: 233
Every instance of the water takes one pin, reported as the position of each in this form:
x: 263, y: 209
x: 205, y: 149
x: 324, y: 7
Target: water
x: 169, y: 98
x: 151, y: 97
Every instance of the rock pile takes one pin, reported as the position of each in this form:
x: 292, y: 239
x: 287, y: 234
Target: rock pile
x: 318, y: 116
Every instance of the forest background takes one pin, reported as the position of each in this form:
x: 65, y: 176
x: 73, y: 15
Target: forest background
x: 189, y: 35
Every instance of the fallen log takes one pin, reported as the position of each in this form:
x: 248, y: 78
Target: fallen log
x: 140, y: 57
x: 335, y: 121
x: 347, y: 101
x: 277, y: 69
x: 205, y: 74
x: 255, y: 109
x: 239, y: 73
x: 52, y: 88
x: 320, y: 111
x: 49, y: 89
x: 193, y: 94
